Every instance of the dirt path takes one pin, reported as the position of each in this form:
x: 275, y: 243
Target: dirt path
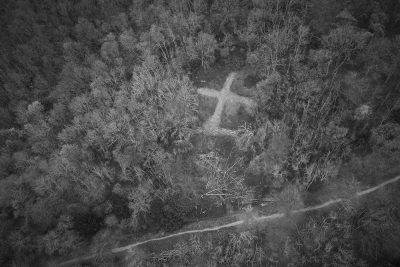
x: 237, y: 223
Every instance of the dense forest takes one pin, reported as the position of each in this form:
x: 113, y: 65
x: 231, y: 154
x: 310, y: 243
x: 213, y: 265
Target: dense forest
x: 101, y: 141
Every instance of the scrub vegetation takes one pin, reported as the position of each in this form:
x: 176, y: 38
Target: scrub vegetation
x: 100, y: 139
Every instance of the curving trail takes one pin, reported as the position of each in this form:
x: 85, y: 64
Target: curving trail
x: 237, y: 223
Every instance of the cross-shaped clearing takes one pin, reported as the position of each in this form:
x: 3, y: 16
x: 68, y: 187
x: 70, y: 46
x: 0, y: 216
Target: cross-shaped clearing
x: 212, y: 125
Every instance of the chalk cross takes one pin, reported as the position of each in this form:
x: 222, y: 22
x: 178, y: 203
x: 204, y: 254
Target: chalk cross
x: 212, y: 125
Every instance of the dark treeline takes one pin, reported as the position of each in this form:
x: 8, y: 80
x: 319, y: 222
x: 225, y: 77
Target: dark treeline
x: 98, y: 113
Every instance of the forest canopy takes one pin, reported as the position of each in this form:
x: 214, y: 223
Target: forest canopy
x: 102, y: 130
